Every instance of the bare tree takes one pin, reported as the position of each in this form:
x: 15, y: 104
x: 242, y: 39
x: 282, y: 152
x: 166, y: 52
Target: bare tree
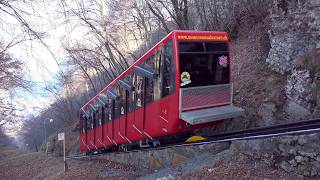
x: 11, y: 73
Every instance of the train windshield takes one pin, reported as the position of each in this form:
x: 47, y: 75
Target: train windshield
x: 203, y: 63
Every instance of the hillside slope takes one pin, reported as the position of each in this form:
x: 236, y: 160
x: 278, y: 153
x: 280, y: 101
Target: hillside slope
x: 18, y: 164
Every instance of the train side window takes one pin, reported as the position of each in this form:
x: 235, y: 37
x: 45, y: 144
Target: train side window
x: 122, y: 101
x: 83, y: 123
x: 149, y: 83
x: 85, y: 128
x: 131, y: 101
x: 116, y: 109
x: 98, y: 118
x: 81, y: 119
x: 149, y: 91
x: 94, y: 119
x: 134, y: 93
x: 151, y: 87
x: 149, y: 63
x: 106, y: 113
x: 111, y: 109
x: 157, y: 82
x: 139, y: 91
x: 116, y: 105
x: 130, y: 94
x: 91, y: 120
x: 168, y: 71
x: 100, y: 109
x: 88, y: 123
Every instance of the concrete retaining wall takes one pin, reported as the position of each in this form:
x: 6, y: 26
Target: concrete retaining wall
x: 154, y: 159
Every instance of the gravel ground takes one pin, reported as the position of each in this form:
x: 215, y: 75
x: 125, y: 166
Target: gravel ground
x: 239, y: 167
x: 224, y: 165
x: 17, y: 164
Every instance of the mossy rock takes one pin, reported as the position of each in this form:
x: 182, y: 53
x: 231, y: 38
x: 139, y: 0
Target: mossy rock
x: 310, y: 61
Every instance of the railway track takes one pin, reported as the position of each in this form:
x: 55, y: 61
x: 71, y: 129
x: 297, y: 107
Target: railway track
x: 296, y: 128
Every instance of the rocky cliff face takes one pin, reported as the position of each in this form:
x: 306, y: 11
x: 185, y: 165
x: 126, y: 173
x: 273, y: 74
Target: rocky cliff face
x: 294, y: 35
x: 295, y: 30
x: 294, y: 55
x: 294, y: 154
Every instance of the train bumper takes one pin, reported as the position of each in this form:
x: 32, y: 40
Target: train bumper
x: 211, y: 114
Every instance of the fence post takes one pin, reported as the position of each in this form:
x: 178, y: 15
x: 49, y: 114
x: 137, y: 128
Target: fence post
x: 61, y: 137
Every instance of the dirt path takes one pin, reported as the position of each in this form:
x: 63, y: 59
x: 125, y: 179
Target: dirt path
x: 16, y: 164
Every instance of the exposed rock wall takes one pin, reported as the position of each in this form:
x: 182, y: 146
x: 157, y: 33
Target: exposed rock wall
x: 299, y: 87
x: 295, y: 30
x: 167, y: 157
x: 293, y: 154
x: 294, y: 55
x: 294, y: 35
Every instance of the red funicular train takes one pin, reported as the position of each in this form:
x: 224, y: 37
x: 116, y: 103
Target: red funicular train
x: 181, y: 84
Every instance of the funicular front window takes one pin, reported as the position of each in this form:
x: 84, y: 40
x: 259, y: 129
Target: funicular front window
x: 204, y: 66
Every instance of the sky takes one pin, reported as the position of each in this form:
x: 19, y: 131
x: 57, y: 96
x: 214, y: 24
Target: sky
x: 40, y: 66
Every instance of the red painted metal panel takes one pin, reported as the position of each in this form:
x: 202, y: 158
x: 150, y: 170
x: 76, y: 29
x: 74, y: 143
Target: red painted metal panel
x: 131, y: 132
x: 123, y: 128
x: 169, y: 113
x: 90, y: 140
x: 105, y: 140
x: 152, y: 125
x: 98, y: 137
x: 83, y: 142
x: 118, y: 136
x: 115, y: 135
x: 138, y: 124
x: 109, y: 134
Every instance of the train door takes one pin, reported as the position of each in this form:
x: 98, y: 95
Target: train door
x: 124, y: 95
x: 122, y: 113
x: 93, y: 138
x: 98, y: 127
x: 105, y: 118
x: 130, y: 115
x: 113, y: 117
x: 83, y: 134
x: 117, y: 119
x: 90, y: 131
x: 102, y: 121
x: 139, y: 83
x: 169, y: 102
x: 110, y: 125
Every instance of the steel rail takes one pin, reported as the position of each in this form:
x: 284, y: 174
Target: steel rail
x: 296, y: 128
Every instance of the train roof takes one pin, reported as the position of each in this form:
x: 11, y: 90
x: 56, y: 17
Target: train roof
x: 183, y: 34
